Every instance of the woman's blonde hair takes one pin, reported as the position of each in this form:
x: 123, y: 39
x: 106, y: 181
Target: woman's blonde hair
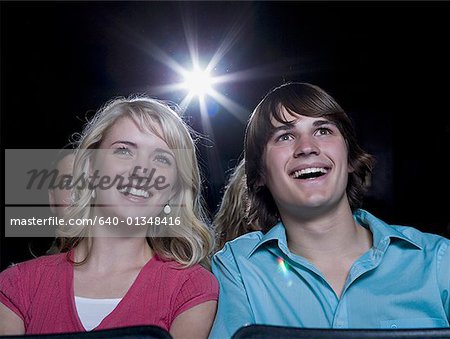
x: 191, y: 241
x: 231, y: 220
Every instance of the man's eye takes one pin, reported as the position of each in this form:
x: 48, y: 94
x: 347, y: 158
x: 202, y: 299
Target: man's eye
x: 163, y: 159
x: 285, y: 137
x: 324, y: 131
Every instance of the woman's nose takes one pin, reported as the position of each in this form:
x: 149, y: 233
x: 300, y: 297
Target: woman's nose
x: 140, y: 168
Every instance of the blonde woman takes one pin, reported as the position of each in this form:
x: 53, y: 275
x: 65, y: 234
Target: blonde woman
x: 141, y: 259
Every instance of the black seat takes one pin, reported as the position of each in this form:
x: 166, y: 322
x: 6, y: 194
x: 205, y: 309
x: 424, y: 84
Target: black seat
x: 281, y: 332
x: 132, y: 332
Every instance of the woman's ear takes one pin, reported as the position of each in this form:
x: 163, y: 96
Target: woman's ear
x: 91, y: 168
x: 90, y: 159
x: 173, y: 194
x: 52, y: 200
x: 175, y: 190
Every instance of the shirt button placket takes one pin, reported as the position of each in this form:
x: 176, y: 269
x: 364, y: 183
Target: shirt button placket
x: 341, y: 313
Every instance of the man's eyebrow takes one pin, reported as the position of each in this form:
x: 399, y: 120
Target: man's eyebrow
x: 318, y: 123
x: 288, y: 126
x: 284, y: 127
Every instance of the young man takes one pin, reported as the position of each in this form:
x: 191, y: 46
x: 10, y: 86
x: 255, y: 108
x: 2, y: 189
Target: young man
x: 321, y: 261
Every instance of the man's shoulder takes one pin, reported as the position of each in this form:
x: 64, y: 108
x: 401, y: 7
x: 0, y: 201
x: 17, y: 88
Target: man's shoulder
x: 420, y: 239
x: 424, y: 239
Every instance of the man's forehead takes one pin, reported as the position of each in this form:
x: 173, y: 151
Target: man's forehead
x: 286, y: 116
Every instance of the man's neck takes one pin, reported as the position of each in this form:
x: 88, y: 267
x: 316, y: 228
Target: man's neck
x: 329, y: 235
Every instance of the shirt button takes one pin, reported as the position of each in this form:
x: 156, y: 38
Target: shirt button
x: 393, y: 326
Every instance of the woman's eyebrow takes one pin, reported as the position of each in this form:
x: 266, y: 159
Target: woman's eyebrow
x: 161, y: 150
x: 129, y: 143
x: 132, y: 144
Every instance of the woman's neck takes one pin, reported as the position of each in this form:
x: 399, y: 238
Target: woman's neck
x: 108, y: 254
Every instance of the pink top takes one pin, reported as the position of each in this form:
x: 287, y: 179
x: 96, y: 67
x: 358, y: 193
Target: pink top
x: 40, y: 291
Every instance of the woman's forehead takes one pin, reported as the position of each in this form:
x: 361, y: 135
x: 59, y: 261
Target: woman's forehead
x: 126, y: 126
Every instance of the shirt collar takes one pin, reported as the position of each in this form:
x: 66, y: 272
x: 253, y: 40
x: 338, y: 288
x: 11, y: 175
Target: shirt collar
x: 277, y: 233
x: 382, y: 233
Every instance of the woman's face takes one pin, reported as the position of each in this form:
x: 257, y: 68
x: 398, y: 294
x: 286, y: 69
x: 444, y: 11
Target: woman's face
x: 136, y: 172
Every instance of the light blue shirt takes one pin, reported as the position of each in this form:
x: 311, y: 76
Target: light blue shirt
x: 403, y: 281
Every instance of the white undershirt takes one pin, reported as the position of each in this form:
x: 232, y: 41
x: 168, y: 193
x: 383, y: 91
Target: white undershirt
x: 92, y: 311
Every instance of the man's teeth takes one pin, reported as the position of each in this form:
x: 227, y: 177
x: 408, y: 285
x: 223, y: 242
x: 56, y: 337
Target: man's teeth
x: 134, y: 191
x: 308, y: 171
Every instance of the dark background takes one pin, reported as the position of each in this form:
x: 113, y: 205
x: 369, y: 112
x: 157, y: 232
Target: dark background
x: 386, y: 63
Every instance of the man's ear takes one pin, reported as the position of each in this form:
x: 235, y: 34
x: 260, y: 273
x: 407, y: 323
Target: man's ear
x: 260, y: 182
x: 51, y: 200
x: 350, y: 168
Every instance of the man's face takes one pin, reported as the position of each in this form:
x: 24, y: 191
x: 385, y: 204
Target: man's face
x: 306, y: 165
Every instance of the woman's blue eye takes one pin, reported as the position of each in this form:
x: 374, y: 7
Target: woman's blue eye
x: 163, y: 159
x: 67, y: 181
x: 122, y: 151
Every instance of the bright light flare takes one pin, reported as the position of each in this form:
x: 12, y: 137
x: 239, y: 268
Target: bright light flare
x: 198, y: 82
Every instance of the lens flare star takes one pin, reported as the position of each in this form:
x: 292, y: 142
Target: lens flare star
x: 198, y: 82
